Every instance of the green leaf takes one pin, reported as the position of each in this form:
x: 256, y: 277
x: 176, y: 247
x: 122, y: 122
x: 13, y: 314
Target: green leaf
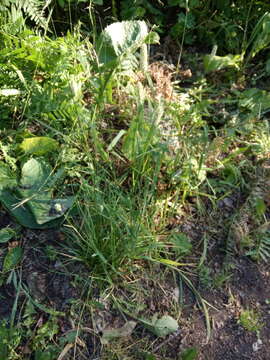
x: 35, y: 174
x: 36, y: 184
x: 110, y: 334
x: 61, y: 3
x: 12, y: 258
x: 69, y: 337
x: 121, y: 38
x: 152, y: 38
x: 189, y: 354
x: 46, y: 210
x: 31, y: 203
x: 260, y: 207
x: 39, y: 145
x: 165, y: 326
x: 161, y: 327
x: 21, y: 213
x: 7, y: 177
x: 214, y: 63
x: 171, y: 262
x: 6, y: 234
x: 261, y: 35
x: 25, y: 216
x: 116, y: 139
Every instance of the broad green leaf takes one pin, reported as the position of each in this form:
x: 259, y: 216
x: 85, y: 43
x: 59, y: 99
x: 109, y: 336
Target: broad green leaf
x: 260, y: 207
x: 20, y: 212
x: 161, y: 327
x: 35, y: 174
x: 7, y: 177
x: 61, y: 3
x: 36, y: 184
x: 121, y: 38
x: 12, y: 258
x: 45, y: 210
x: 152, y: 38
x: 110, y: 334
x: 214, y: 63
x: 39, y: 145
x: 69, y: 337
x: 6, y: 234
x: 165, y: 326
x: 31, y: 203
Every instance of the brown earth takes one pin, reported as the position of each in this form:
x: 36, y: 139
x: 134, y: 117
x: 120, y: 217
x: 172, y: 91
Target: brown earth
x: 50, y: 282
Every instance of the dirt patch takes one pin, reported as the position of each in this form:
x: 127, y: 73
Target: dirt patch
x: 249, y: 288
x: 49, y: 281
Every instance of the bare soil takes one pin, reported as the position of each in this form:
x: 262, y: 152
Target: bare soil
x: 51, y: 283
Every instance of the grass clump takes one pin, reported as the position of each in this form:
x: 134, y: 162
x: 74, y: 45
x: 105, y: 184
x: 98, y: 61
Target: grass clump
x: 250, y: 320
x: 115, y: 227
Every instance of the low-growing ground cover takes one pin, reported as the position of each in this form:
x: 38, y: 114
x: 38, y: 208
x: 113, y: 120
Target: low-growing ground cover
x: 134, y: 191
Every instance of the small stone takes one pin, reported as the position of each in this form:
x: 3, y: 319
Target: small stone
x: 257, y: 345
x: 220, y: 204
x: 228, y: 202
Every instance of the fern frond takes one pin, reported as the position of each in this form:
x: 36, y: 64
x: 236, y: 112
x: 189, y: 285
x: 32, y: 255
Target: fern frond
x: 261, y: 250
x: 32, y: 9
x: 249, y: 227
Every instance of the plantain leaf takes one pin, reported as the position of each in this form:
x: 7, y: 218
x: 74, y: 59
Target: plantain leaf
x: 214, y: 63
x: 165, y: 326
x: 6, y: 234
x: 31, y: 203
x: 7, y: 178
x: 125, y: 330
x: 21, y: 212
x: 39, y: 145
x: 47, y: 209
x: 12, y: 258
x: 35, y: 174
x: 121, y: 38
x: 161, y: 327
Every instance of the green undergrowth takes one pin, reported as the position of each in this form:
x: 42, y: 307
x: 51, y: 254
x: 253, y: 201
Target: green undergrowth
x: 91, y: 144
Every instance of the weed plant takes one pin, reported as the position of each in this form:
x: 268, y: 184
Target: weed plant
x: 115, y: 228
x: 130, y: 156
